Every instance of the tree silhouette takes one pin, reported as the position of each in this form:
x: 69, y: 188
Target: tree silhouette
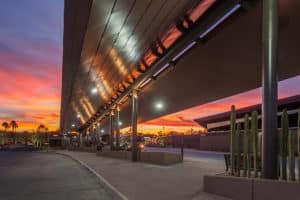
x: 13, y: 124
x: 42, y: 128
x: 5, y: 125
x: 42, y: 134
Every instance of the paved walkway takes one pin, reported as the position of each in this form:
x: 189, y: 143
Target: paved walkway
x: 148, y: 182
x: 43, y: 176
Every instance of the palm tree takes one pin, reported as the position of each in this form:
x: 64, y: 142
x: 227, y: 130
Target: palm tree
x: 13, y: 124
x: 5, y: 126
x: 42, y: 130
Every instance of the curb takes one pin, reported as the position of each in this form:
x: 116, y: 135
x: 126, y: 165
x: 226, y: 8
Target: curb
x: 116, y: 194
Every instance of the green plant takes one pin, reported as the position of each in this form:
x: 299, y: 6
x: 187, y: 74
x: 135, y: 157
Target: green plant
x: 246, y: 146
x: 237, y: 147
x: 254, y: 132
x: 232, y: 138
x: 299, y: 146
x: 283, y: 143
x: 291, y: 147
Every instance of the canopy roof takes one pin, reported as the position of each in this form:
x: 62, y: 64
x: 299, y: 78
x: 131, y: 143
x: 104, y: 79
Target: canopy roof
x: 109, y: 44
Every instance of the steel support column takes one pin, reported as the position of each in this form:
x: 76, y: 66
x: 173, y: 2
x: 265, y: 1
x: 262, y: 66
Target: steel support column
x: 269, y: 104
x: 134, y: 125
x: 111, y: 130
x: 117, y: 126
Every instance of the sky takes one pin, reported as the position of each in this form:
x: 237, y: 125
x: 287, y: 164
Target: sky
x: 31, y: 38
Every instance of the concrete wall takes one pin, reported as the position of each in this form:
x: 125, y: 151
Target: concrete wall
x: 157, y: 158
x: 238, y: 188
x: 216, y: 142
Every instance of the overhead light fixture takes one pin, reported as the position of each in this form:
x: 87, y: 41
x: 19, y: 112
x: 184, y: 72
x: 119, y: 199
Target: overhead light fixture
x: 161, y: 69
x: 219, y: 21
x: 183, y: 51
x: 73, y: 125
x: 94, y: 90
x: 145, y: 83
x: 159, y: 105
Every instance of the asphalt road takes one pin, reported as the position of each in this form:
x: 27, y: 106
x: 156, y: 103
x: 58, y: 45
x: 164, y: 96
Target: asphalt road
x: 43, y: 176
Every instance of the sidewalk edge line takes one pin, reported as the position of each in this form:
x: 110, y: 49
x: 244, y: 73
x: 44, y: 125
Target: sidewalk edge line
x: 101, y: 178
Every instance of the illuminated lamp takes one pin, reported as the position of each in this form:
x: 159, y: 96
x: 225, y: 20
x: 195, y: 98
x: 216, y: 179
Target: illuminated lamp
x: 159, y: 105
x: 145, y: 83
x: 219, y: 21
x: 184, y: 51
x: 94, y: 90
x: 161, y: 70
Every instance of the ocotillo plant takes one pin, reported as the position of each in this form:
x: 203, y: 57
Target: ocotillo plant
x: 254, y: 132
x: 283, y: 143
x: 232, y: 134
x: 237, y: 147
x: 299, y: 146
x: 291, y: 148
x: 245, y: 146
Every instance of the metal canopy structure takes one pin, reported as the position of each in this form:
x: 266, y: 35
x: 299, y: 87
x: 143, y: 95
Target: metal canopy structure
x: 111, y: 47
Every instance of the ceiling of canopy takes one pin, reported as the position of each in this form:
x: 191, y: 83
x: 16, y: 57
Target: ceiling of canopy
x: 111, y: 38
x: 105, y: 41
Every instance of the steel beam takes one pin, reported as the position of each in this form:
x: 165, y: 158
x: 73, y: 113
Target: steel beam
x: 134, y: 114
x: 270, y: 87
x: 117, y: 127
x: 111, y: 130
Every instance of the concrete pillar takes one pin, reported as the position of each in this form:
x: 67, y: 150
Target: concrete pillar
x: 117, y: 126
x: 269, y: 105
x: 111, y: 130
x: 134, y: 125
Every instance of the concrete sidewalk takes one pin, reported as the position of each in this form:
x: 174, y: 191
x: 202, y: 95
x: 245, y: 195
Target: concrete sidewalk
x: 139, y: 181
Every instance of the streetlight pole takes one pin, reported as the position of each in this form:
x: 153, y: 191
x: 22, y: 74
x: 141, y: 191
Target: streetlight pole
x: 270, y: 87
x: 134, y: 124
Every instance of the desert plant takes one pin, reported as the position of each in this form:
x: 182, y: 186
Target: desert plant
x: 237, y: 147
x: 283, y: 143
x: 299, y: 146
x: 254, y: 133
x: 246, y: 146
x: 232, y: 138
x: 291, y: 151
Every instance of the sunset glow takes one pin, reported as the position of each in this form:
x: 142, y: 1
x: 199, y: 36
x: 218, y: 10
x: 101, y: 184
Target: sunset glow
x: 30, y: 63
x: 183, y: 121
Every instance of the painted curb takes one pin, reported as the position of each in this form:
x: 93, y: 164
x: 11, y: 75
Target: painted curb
x: 109, y: 187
